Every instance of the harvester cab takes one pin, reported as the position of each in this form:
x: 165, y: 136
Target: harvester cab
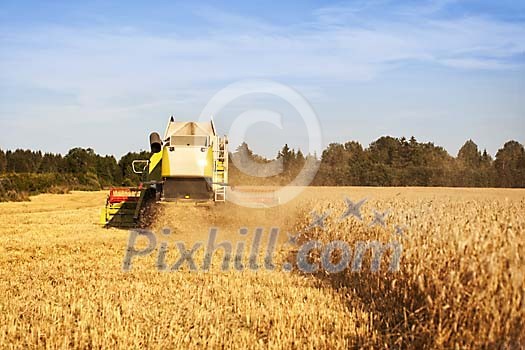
x: 188, y: 165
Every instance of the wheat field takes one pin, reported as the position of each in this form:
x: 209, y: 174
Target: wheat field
x: 460, y: 282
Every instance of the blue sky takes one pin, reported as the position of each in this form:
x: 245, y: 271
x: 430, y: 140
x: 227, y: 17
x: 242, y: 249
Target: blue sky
x: 104, y: 74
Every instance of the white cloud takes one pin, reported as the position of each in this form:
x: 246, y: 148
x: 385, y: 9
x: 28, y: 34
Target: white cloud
x: 102, y: 61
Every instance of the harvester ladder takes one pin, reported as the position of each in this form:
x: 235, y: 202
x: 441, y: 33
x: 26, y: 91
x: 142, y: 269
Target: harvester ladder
x: 220, y: 169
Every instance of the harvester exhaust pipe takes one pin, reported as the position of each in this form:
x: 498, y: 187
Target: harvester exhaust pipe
x: 155, y: 142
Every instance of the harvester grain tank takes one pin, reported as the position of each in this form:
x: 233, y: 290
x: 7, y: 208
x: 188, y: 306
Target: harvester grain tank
x: 188, y: 165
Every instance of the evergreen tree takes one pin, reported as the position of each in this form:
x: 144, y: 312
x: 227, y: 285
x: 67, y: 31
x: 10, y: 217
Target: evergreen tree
x: 487, y: 172
x: 3, y: 162
x: 52, y: 163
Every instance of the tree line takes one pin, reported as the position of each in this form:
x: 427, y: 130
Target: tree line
x: 387, y: 161
x: 391, y: 161
x: 25, y: 172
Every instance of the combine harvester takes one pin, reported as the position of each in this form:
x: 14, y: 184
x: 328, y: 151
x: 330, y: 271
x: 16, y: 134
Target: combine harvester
x: 188, y: 165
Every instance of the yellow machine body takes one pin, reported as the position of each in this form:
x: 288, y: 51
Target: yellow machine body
x: 189, y: 164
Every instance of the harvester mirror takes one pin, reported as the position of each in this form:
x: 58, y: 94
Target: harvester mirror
x: 140, y: 166
x: 155, y: 142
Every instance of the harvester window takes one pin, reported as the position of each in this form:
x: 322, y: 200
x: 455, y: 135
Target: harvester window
x: 198, y: 141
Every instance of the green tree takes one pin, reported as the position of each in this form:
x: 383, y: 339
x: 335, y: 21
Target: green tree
x: 334, y: 167
x: 52, y: 163
x: 487, y: 171
x: 510, y: 165
x: 83, y: 164
x: 81, y: 161
x: 385, y: 150
x: 23, y: 161
x: 287, y: 155
x: 439, y: 165
x: 356, y: 164
x: 298, y: 163
x: 3, y: 162
x: 108, y: 171
x: 467, y: 164
x: 473, y: 167
x: 469, y: 155
x: 128, y: 177
x: 386, y: 159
